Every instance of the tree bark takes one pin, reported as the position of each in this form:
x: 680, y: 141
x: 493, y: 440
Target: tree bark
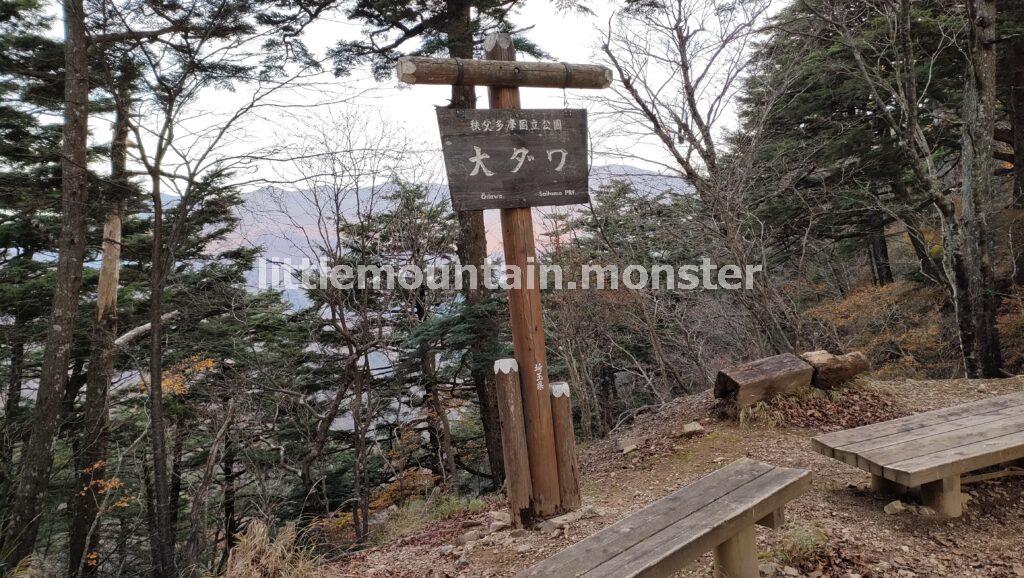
x: 163, y: 566
x: 24, y: 524
x: 471, y: 248
x: 230, y: 520
x: 976, y: 310
x: 1016, y: 60
x: 11, y: 432
x: 878, y: 248
x: 90, y: 460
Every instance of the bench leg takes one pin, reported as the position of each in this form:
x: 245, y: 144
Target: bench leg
x: 943, y: 496
x: 887, y: 487
x: 737, y: 556
x: 775, y: 520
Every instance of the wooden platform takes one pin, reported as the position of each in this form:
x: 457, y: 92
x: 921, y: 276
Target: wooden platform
x: 935, y: 446
x: 717, y: 512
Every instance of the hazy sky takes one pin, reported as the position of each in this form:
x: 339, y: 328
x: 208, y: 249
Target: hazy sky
x: 568, y: 37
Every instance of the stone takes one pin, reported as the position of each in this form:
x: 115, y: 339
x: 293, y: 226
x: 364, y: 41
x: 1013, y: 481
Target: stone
x: 470, y: 536
x: 628, y: 446
x: 693, y: 429
x: 497, y: 527
x: 523, y: 548
x: 1018, y: 570
x: 894, y: 507
x: 926, y: 511
x: 461, y: 563
x: 519, y: 533
x: 547, y: 526
x: 768, y: 569
x: 501, y: 516
x: 445, y: 549
x: 561, y: 521
x: 790, y: 571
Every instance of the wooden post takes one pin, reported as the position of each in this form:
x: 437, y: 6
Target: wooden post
x: 944, y: 497
x: 887, y: 487
x: 527, y: 319
x: 513, y: 441
x: 737, y: 556
x: 565, y: 447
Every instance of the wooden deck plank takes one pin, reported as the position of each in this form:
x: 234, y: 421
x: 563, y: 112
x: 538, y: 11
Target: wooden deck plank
x: 667, y: 551
x: 966, y: 458
x: 626, y: 533
x: 875, y: 460
x: 827, y: 443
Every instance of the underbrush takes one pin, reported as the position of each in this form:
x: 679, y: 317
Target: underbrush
x: 418, y: 513
x: 900, y: 327
x: 260, y: 554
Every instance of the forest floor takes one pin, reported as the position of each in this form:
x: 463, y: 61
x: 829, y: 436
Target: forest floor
x: 838, y: 528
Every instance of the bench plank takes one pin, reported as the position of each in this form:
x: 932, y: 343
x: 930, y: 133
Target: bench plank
x: 827, y: 444
x: 966, y: 458
x: 667, y: 551
x: 659, y: 539
x: 626, y: 533
x: 952, y: 425
x: 875, y: 460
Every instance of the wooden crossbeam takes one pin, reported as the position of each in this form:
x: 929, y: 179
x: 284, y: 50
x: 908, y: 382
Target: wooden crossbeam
x: 422, y: 70
x: 1004, y: 473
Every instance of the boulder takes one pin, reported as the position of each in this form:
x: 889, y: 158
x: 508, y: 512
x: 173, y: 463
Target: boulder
x: 759, y: 380
x: 832, y: 371
x: 894, y: 507
x: 693, y: 429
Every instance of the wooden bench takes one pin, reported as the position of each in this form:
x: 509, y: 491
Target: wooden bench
x: 931, y: 450
x: 716, y: 512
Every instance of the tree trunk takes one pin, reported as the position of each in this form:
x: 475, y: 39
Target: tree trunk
x: 24, y: 523
x: 471, y: 247
x: 878, y: 248
x: 230, y: 521
x: 174, y: 507
x: 11, y: 432
x: 163, y: 566
x: 1016, y: 60
x: 977, y: 309
x: 90, y: 462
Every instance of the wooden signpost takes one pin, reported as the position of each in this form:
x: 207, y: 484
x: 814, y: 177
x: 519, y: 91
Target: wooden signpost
x: 524, y: 161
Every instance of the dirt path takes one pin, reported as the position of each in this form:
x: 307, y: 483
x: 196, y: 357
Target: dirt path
x: 837, y: 529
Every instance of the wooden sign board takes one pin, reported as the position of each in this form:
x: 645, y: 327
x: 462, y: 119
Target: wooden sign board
x: 499, y: 159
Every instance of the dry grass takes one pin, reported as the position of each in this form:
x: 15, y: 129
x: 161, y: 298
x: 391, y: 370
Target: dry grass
x: 417, y: 513
x: 258, y: 554
x: 799, y: 543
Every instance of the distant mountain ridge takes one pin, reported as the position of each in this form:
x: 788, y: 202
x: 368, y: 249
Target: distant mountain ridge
x: 284, y: 224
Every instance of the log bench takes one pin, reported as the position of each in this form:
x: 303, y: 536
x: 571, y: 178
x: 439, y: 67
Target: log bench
x: 931, y: 450
x: 717, y: 512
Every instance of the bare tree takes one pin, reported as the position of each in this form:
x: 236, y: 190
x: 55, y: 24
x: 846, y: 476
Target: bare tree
x: 680, y: 65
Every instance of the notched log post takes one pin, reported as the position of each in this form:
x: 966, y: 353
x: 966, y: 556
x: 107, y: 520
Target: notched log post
x: 513, y: 442
x: 565, y: 446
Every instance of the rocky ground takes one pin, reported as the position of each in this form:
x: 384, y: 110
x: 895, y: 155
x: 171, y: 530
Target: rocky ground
x: 839, y: 528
